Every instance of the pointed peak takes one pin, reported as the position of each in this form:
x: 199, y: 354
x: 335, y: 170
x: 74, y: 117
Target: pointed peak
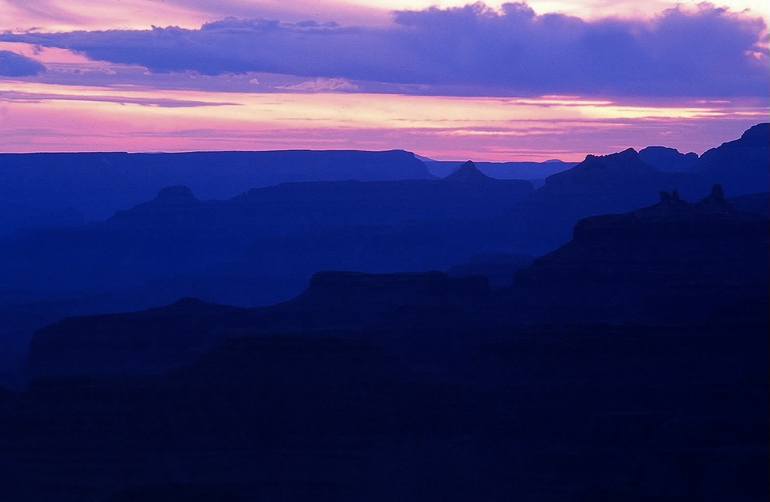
x: 468, y: 172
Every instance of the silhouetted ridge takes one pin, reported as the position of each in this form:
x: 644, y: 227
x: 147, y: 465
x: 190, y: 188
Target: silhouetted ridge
x: 671, y: 205
x: 758, y: 135
x: 468, y: 173
x: 674, y: 259
x: 625, y: 159
x: 263, y: 247
x: 673, y: 216
x: 741, y: 166
x: 35, y: 188
x: 630, y: 364
x: 531, y: 171
x: 668, y: 159
x: 622, y: 166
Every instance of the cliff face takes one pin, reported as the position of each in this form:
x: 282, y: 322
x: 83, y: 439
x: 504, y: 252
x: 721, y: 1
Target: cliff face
x: 743, y: 165
x: 622, y: 181
x: 597, y: 172
x: 673, y: 259
x: 668, y: 159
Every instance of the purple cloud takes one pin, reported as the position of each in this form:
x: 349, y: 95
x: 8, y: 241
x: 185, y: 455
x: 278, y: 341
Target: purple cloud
x: 16, y: 65
x: 475, y: 50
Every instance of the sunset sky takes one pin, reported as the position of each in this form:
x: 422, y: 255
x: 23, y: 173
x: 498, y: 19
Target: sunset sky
x: 525, y: 81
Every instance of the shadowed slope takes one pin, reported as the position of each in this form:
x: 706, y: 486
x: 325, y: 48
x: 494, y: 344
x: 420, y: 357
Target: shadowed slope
x: 673, y: 260
x: 741, y: 166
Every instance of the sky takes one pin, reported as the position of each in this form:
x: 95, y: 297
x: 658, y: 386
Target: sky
x: 448, y: 80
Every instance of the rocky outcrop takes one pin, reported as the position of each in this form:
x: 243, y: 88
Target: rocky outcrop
x: 675, y: 217
x: 601, y: 171
x: 741, y: 166
x: 668, y: 159
x: 674, y: 259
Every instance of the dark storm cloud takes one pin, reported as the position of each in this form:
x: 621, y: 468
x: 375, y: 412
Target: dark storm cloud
x: 704, y: 52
